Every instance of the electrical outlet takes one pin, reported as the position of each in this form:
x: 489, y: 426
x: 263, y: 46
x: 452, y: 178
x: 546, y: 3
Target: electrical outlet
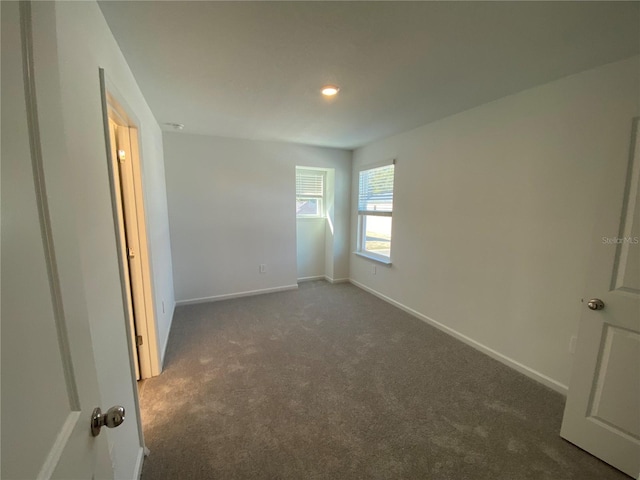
x: 572, y: 344
x: 373, y: 269
x: 263, y: 268
x: 163, y: 306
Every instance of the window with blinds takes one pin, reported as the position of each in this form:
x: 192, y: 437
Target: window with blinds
x: 309, y: 193
x: 375, y: 209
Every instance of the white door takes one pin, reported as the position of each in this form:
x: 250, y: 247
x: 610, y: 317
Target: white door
x: 602, y: 413
x: 49, y: 386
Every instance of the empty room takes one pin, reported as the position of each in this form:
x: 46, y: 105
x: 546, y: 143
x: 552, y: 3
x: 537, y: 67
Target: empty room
x: 323, y: 240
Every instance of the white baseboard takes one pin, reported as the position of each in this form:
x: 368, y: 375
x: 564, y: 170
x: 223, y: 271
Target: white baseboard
x: 139, y: 462
x: 311, y: 279
x: 228, y: 296
x: 336, y: 280
x: 529, y: 372
x: 323, y: 277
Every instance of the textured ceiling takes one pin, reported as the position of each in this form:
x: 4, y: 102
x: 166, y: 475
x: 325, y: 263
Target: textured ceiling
x: 254, y: 69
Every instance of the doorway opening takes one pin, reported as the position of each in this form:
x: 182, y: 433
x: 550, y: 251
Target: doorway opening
x: 129, y: 216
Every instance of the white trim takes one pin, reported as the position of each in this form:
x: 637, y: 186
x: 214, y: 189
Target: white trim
x: 114, y: 104
x: 114, y: 107
x: 323, y: 277
x: 137, y: 472
x: 311, y: 279
x: 374, y: 257
x: 529, y: 372
x: 148, y: 289
x: 319, y: 169
x: 336, y: 280
x: 375, y: 213
x: 228, y: 296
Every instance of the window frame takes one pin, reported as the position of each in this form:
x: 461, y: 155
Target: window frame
x: 320, y: 198
x: 363, y: 215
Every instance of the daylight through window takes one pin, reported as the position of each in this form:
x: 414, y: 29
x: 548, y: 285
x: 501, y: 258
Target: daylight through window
x: 375, y: 209
x: 309, y: 193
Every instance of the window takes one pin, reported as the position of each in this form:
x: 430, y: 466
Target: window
x: 375, y: 209
x: 309, y: 193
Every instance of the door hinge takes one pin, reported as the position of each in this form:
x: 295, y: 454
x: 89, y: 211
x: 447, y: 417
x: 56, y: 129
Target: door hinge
x: 122, y: 155
x: 138, y: 340
x: 131, y: 253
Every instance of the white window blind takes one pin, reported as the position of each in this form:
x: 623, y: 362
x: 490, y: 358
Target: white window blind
x: 309, y: 192
x: 375, y: 211
x: 375, y: 191
x: 309, y: 184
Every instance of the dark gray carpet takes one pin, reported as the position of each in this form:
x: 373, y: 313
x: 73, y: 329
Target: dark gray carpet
x: 329, y: 382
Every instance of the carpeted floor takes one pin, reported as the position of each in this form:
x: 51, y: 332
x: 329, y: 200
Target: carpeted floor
x: 329, y: 382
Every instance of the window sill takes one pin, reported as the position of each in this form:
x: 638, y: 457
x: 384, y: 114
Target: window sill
x: 368, y: 256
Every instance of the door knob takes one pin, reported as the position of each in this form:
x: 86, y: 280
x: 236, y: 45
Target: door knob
x: 111, y: 419
x: 595, y: 304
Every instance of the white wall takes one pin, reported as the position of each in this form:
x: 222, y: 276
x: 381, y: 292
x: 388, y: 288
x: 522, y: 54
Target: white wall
x: 158, y: 235
x: 494, y: 209
x: 310, y: 247
x: 320, y: 252
x: 72, y: 41
x: 338, y: 220
x: 232, y: 208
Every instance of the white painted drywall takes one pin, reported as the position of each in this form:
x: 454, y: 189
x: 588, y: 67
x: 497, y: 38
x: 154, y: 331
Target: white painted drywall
x: 103, y: 50
x: 338, y: 218
x: 493, y: 213
x: 310, y: 247
x: 158, y: 236
x: 71, y: 43
x: 232, y: 208
x: 253, y: 70
x: 318, y: 250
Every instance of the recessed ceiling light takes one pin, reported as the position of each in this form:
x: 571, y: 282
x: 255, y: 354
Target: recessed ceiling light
x: 175, y: 126
x: 330, y: 90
